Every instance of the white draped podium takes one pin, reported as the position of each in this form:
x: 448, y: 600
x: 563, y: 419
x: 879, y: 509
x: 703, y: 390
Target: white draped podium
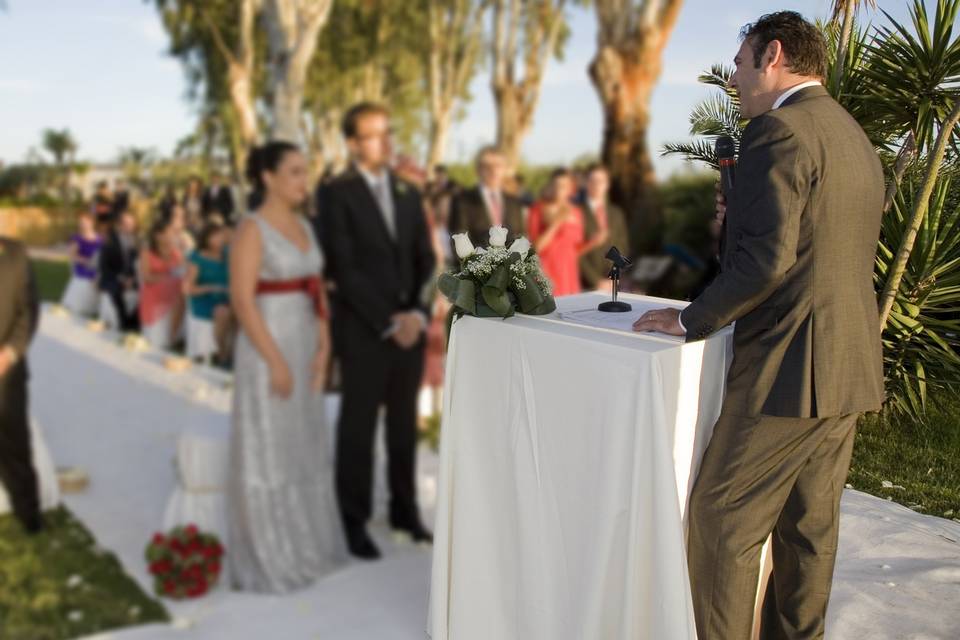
x: 567, y: 458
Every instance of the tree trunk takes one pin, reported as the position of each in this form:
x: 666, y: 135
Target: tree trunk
x: 906, y: 155
x: 624, y: 80
x: 920, y: 205
x: 511, y: 127
x: 241, y: 95
x: 846, y: 32
x: 292, y: 30
x: 439, y: 134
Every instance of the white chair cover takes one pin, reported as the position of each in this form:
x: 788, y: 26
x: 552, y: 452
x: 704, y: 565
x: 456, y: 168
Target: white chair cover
x: 201, y: 340
x: 81, y: 297
x: 199, y: 497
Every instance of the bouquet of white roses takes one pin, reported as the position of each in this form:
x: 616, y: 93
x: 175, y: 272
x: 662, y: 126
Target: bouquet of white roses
x: 498, y: 281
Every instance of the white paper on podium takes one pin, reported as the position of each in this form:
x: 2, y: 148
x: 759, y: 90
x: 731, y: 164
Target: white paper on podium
x: 593, y: 317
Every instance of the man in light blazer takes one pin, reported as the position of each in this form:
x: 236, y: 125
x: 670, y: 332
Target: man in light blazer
x: 802, y: 225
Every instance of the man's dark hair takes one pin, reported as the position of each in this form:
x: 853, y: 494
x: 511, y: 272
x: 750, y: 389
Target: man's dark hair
x: 357, y: 111
x: 803, y: 44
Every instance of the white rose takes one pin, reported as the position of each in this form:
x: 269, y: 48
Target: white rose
x: 521, y: 246
x: 463, y: 245
x: 498, y: 236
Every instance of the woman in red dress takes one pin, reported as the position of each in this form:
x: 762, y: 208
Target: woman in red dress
x: 161, y: 290
x: 555, y: 227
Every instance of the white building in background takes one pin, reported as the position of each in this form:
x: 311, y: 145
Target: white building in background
x: 86, y: 183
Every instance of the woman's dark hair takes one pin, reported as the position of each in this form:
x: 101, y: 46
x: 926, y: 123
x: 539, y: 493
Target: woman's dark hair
x: 266, y: 157
x: 209, y: 230
x: 803, y: 44
x: 158, y: 227
x: 560, y: 172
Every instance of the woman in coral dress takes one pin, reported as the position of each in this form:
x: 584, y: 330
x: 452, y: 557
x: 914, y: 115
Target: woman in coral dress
x: 555, y: 227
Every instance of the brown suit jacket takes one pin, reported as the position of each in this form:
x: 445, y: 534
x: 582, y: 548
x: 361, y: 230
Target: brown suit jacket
x: 18, y: 298
x: 594, y: 266
x: 803, y: 223
x: 468, y: 214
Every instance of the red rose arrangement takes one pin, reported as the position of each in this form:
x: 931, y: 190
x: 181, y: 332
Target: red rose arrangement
x: 185, y: 563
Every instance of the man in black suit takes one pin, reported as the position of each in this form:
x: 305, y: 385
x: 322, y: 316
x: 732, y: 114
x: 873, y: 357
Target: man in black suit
x: 379, y: 259
x: 217, y: 199
x: 486, y: 205
x: 121, y: 198
x: 18, y: 322
x: 117, y: 269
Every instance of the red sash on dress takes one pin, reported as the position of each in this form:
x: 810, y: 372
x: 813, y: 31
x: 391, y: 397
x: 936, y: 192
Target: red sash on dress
x: 309, y: 286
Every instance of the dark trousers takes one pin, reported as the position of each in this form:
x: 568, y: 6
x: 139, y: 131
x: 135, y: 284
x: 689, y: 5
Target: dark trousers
x: 379, y: 374
x: 129, y: 321
x: 760, y: 475
x: 16, y: 460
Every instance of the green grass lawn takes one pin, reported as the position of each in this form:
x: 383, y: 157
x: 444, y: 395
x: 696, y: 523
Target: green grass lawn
x: 60, y: 584
x: 921, y: 461
x: 52, y: 277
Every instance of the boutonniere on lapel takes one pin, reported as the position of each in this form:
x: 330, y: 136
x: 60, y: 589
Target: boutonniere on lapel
x: 402, y: 188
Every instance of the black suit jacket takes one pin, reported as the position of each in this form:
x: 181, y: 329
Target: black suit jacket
x: 221, y: 202
x: 115, y: 263
x: 374, y: 275
x: 469, y: 214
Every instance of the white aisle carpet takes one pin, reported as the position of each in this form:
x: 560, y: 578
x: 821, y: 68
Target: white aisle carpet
x: 117, y: 414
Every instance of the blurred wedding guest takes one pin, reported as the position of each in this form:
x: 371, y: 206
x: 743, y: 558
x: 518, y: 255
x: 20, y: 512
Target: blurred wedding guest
x: 281, y: 505
x: 81, y: 296
x: 218, y: 198
x: 604, y: 226
x: 102, y: 208
x: 161, y: 287
x: 182, y: 236
x: 18, y: 321
x: 378, y: 245
x: 193, y: 203
x: 167, y: 200
x: 487, y: 205
x: 121, y: 198
x: 117, y: 273
x: 517, y: 185
x: 207, y: 285
x: 555, y: 227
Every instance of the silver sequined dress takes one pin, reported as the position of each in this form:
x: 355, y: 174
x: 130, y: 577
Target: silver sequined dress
x: 284, y: 526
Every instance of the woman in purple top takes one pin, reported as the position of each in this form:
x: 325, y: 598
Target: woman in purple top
x: 81, y: 294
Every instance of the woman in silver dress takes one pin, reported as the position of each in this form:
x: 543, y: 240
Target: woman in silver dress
x: 284, y: 527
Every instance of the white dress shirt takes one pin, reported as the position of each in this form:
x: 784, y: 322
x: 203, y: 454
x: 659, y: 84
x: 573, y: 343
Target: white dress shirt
x: 380, y: 188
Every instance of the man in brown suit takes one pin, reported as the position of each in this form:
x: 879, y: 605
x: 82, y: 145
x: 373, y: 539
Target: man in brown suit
x: 604, y: 226
x: 487, y: 205
x: 18, y: 321
x: 803, y: 222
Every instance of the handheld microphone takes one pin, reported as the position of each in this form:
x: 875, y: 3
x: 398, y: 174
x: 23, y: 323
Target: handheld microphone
x: 726, y: 151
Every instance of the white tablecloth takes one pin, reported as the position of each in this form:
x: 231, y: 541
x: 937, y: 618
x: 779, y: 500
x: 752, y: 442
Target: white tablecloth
x: 567, y: 457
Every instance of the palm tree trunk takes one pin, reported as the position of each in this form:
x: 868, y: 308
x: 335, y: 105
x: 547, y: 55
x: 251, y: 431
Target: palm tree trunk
x: 920, y: 206
x: 907, y: 153
x: 848, y: 13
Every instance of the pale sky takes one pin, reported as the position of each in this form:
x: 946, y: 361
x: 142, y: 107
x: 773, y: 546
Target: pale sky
x: 100, y: 68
